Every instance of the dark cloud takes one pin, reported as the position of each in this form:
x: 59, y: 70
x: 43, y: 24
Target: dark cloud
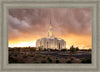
x: 36, y: 21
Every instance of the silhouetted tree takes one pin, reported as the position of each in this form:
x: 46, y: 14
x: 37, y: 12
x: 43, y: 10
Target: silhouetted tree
x: 63, y: 49
x: 57, y: 61
x: 77, y: 49
x: 45, y: 49
x: 72, y: 49
x: 89, y: 49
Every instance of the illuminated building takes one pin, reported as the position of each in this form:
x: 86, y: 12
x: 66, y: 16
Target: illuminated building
x: 51, y: 42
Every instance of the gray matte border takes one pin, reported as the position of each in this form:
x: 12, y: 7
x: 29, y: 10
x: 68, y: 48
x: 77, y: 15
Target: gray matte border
x: 4, y: 32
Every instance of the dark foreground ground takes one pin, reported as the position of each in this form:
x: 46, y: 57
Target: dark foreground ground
x: 27, y: 56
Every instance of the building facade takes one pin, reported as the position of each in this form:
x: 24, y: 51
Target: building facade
x: 51, y: 42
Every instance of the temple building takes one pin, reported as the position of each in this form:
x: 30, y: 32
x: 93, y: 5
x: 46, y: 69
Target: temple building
x: 51, y: 42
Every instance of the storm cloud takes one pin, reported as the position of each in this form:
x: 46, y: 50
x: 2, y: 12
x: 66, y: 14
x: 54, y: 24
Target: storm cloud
x: 35, y: 22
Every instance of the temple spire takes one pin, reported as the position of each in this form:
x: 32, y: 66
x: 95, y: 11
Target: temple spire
x: 50, y: 32
x: 50, y: 26
x: 50, y: 20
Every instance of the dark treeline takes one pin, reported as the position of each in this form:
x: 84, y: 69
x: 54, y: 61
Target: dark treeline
x: 71, y: 49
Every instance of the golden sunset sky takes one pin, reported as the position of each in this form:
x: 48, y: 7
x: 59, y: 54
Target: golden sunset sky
x: 73, y: 25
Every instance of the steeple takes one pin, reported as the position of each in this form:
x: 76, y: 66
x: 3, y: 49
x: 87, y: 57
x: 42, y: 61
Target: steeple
x: 50, y: 26
x: 50, y: 32
x: 50, y: 20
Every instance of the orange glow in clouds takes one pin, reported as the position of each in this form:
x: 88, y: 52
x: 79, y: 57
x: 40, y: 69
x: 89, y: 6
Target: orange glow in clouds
x: 73, y: 25
x: 80, y: 41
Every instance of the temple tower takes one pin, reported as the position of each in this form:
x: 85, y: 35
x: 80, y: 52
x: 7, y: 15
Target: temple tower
x: 50, y: 31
